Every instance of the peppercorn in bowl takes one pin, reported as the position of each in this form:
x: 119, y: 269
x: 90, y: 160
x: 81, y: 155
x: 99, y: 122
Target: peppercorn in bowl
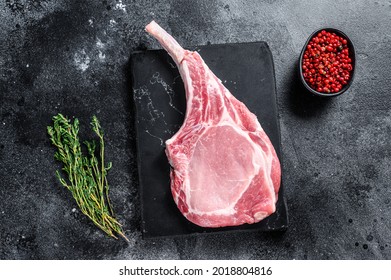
x: 327, y: 62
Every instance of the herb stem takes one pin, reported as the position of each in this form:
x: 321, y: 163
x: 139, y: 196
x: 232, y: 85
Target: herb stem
x: 86, y: 175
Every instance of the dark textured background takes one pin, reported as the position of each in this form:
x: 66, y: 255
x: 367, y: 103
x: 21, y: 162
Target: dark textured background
x: 73, y: 57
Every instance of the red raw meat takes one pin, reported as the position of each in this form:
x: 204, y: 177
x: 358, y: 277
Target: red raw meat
x: 225, y: 171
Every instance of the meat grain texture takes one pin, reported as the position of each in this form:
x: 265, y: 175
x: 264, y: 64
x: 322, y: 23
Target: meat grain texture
x: 225, y: 171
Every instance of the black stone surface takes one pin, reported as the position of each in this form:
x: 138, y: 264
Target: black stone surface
x: 247, y: 70
x: 73, y: 57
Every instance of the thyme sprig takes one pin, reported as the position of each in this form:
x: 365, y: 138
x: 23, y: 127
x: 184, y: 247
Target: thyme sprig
x: 86, y: 174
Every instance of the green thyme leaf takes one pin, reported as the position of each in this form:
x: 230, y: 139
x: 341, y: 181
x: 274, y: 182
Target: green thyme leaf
x: 86, y: 174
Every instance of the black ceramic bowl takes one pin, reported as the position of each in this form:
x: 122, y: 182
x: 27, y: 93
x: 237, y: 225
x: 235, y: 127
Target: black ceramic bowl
x: 352, y: 55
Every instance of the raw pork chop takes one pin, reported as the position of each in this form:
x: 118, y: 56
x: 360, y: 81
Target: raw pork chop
x: 225, y: 171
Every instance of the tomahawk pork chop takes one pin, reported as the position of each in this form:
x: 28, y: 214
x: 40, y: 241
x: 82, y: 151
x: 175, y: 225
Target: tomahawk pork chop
x: 224, y: 169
